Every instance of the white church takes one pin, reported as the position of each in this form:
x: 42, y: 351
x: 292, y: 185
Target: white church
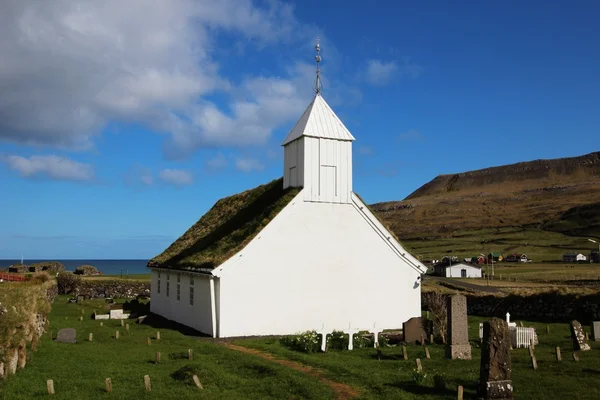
x: 300, y: 253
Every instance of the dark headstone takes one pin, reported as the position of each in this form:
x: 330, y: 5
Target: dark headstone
x: 67, y: 335
x: 495, y: 374
x: 80, y: 297
x: 458, y: 331
x: 578, y: 336
x: 413, y: 330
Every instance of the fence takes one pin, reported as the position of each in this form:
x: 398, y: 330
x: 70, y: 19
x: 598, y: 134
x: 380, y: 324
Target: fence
x: 4, y: 277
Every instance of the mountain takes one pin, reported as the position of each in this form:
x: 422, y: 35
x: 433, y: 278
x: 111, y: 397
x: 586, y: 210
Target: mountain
x: 544, y: 207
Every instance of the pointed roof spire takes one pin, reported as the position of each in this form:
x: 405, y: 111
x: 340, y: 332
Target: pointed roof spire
x: 318, y: 86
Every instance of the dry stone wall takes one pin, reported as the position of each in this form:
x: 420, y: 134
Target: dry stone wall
x: 116, y: 289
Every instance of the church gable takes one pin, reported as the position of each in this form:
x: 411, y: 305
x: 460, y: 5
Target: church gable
x: 226, y: 228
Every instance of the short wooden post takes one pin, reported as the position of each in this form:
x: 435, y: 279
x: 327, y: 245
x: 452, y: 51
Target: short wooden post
x: 90, y: 337
x: 427, y: 314
x: 558, y: 356
x: 427, y: 353
x: 587, y: 336
x: 122, y: 323
x: 126, y: 327
x: 547, y: 329
x: 521, y: 324
x: 116, y: 334
x: 157, y: 335
x: 101, y: 323
x: 533, y: 363
x: 460, y: 393
x: 147, y: 382
x: 404, y: 353
x: 158, y: 356
x: 431, y: 339
x: 419, y: 366
x: 81, y: 319
x: 422, y: 340
x: 149, y: 341
x: 50, y: 385
x: 530, y: 351
x: 190, y: 354
x: 108, y: 384
x: 197, y: 382
x: 575, y: 357
x: 532, y: 344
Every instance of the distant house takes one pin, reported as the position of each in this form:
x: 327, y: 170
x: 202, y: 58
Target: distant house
x: 480, y: 259
x: 513, y: 258
x: 495, y: 256
x: 574, y: 257
x: 460, y: 270
x: 524, y: 258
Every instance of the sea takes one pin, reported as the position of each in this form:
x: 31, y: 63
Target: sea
x: 107, y: 267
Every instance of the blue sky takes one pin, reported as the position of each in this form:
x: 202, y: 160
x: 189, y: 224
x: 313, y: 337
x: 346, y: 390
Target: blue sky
x: 120, y: 128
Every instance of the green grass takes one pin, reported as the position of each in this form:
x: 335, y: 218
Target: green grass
x: 79, y: 370
x: 539, y: 245
x: 392, y: 376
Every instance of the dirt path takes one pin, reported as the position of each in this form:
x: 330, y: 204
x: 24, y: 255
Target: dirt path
x: 341, y: 390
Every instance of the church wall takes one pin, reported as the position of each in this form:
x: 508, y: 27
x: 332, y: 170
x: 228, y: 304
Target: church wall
x: 198, y: 315
x: 316, y: 264
x: 328, y: 170
x: 293, y: 164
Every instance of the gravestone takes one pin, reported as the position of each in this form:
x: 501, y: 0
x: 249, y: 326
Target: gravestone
x: 67, y: 335
x: 495, y: 380
x: 596, y: 330
x: 578, y: 336
x: 413, y: 330
x: 458, y: 333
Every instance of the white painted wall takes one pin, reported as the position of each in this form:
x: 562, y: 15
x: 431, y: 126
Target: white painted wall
x: 327, y: 170
x: 293, y: 164
x: 198, y: 315
x: 317, y: 264
x: 455, y: 271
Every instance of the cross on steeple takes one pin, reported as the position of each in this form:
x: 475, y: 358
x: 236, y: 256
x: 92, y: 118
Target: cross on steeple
x: 318, y: 86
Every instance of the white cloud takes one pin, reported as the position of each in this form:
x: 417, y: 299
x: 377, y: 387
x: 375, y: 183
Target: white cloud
x: 176, y: 177
x: 411, y: 134
x: 379, y: 73
x: 217, y: 162
x: 249, y: 164
x: 50, y: 166
x: 77, y: 65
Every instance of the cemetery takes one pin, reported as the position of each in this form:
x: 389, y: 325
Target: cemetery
x: 157, y: 359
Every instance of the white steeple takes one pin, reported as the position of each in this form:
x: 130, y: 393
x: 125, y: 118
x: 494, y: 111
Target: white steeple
x: 318, y: 152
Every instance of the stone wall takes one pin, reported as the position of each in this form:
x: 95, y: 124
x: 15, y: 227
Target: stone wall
x: 550, y: 307
x: 24, y: 309
x: 116, y: 289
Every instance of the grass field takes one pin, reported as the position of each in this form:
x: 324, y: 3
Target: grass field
x: 79, y: 370
x: 539, y: 245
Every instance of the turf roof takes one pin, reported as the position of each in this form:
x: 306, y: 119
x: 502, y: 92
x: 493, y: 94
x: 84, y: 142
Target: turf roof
x: 226, y: 228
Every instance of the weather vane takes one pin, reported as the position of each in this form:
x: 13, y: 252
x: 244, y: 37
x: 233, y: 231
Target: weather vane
x: 318, y: 60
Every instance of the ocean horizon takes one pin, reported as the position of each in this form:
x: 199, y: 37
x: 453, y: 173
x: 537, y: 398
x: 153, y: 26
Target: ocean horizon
x: 106, y: 267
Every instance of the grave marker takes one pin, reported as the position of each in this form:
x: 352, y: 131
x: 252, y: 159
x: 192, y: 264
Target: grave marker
x: 101, y: 323
x: 157, y: 335
x: 67, y: 335
x: 413, y: 330
x: 427, y: 353
x: 460, y: 393
x: 147, y: 382
x: 157, y: 357
x: 533, y: 363
x: 190, y: 354
x: 91, y: 337
x: 578, y: 337
x: 116, y: 334
x: 197, y: 382
x: 404, y: 353
x: 122, y: 323
x: 596, y: 330
x: 108, y: 384
x: 547, y: 329
x: 575, y: 357
x: 495, y: 380
x: 50, y: 386
x: 126, y: 327
x: 558, y: 356
x: 149, y: 341
x: 419, y: 366
x: 458, y: 332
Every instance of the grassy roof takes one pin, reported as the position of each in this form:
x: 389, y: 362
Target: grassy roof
x: 226, y: 228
